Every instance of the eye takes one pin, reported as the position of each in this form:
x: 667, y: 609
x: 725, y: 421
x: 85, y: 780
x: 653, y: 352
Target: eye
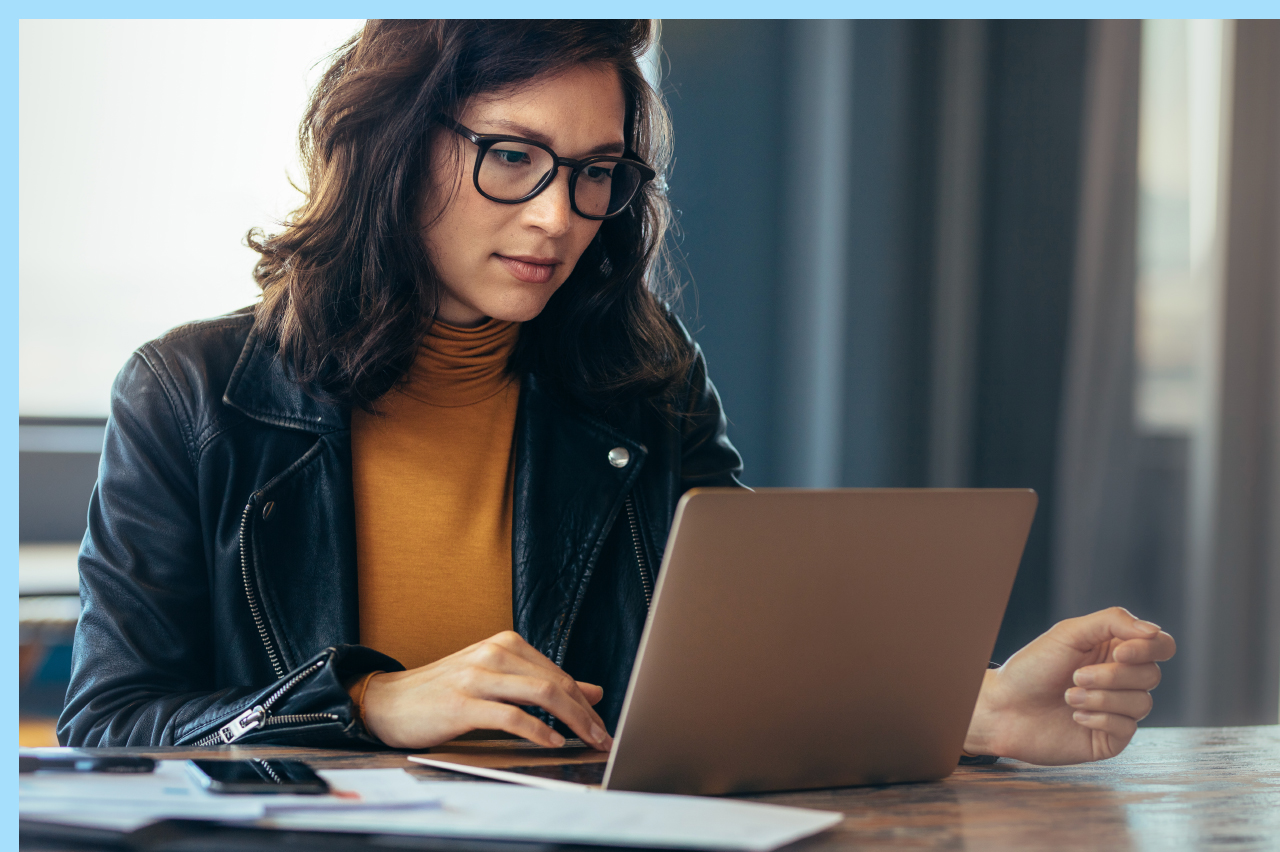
x: 598, y: 172
x: 510, y: 157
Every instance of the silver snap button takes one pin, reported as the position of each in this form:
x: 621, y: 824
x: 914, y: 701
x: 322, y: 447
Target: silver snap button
x: 619, y: 456
x: 266, y: 510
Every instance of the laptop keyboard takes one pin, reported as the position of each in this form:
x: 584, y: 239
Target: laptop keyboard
x: 577, y: 773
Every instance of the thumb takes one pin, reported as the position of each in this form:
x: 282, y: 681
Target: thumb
x: 1096, y: 628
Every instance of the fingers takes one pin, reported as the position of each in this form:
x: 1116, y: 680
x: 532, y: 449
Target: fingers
x: 1156, y: 649
x: 505, y: 717
x: 591, y: 692
x: 1118, y: 676
x: 516, y: 689
x: 505, y: 668
x: 508, y: 653
x: 1133, y: 703
x: 1089, y: 631
x: 1120, y: 727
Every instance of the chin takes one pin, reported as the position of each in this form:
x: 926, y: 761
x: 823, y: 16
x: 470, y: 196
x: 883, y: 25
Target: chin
x: 518, y: 307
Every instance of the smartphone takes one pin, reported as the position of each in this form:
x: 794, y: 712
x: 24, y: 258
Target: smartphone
x: 257, y: 776
x: 76, y: 762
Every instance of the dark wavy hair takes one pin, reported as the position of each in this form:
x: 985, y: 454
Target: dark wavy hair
x: 348, y: 288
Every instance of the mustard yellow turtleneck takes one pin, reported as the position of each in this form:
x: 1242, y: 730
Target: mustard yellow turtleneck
x: 433, y: 477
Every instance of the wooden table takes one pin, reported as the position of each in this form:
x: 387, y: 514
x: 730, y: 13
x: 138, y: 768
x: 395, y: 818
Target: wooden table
x: 1172, y: 789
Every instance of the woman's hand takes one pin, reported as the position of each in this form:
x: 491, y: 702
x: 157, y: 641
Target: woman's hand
x: 1074, y: 694
x: 480, y: 687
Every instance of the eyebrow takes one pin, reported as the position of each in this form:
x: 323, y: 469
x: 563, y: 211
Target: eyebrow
x: 517, y: 129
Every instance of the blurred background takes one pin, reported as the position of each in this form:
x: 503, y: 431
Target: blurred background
x: 1031, y: 254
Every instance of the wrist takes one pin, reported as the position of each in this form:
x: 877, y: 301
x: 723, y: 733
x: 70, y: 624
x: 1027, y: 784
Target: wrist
x: 980, y: 739
x: 358, y: 689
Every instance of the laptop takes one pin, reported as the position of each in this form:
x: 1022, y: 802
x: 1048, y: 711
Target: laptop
x: 800, y: 639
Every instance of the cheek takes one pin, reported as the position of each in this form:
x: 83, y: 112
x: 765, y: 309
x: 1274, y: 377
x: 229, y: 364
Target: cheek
x: 586, y: 233
x: 461, y: 232
x: 448, y: 211
x: 575, y: 247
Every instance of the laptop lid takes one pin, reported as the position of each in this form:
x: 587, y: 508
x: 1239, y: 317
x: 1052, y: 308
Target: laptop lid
x: 805, y: 638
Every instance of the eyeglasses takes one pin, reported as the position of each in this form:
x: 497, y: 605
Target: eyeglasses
x: 511, y: 170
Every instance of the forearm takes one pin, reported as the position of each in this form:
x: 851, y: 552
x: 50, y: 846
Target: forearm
x: 140, y: 716
x: 308, y: 706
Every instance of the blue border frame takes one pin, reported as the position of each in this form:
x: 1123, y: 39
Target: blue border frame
x: 674, y: 9
x: 503, y: 8
x: 9, y: 426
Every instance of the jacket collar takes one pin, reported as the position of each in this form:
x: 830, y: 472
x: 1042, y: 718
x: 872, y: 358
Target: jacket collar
x: 261, y: 388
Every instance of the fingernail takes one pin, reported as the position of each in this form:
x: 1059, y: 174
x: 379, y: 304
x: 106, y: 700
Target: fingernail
x: 1081, y: 716
x: 1076, y: 696
x: 597, y: 734
x: 556, y: 739
x: 1147, y: 627
x: 1083, y: 677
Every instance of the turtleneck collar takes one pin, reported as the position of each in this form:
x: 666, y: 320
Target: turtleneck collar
x: 462, y: 366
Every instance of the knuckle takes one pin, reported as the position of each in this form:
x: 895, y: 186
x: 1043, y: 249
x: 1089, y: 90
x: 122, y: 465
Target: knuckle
x: 469, y: 679
x: 490, y: 652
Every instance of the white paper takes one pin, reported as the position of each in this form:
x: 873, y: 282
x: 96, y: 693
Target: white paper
x: 361, y: 789
x: 392, y: 801
x: 124, y: 802
x: 509, y: 812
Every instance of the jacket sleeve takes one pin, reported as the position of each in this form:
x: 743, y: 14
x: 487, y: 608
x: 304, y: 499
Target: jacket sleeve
x: 707, y: 457
x: 143, y: 661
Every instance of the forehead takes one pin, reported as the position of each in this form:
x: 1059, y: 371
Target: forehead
x: 576, y: 110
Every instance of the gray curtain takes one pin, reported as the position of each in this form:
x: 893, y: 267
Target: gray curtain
x: 1232, y: 644
x: 1227, y: 591
x: 1097, y: 443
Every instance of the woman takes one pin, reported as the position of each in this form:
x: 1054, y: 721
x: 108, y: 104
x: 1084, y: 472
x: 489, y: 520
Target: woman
x: 426, y: 481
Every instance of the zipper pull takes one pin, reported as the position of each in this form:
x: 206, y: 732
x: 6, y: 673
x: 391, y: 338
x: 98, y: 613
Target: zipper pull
x: 242, y: 724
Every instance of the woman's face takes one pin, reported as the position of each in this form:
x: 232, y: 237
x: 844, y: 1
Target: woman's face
x: 506, y: 260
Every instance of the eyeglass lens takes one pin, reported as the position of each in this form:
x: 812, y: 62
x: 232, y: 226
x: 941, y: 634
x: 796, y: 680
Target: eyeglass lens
x: 511, y: 170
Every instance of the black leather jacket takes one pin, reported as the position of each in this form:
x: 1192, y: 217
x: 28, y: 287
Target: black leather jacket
x: 218, y: 572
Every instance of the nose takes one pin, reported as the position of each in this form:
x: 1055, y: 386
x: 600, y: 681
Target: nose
x: 549, y: 210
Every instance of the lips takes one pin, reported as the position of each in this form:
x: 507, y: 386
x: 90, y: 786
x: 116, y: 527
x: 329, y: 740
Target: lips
x: 530, y: 270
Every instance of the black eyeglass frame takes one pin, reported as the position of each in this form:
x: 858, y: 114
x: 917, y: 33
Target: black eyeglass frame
x: 485, y: 141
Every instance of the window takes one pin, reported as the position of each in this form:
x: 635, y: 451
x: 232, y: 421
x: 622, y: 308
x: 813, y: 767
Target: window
x: 1179, y: 234
x: 146, y: 150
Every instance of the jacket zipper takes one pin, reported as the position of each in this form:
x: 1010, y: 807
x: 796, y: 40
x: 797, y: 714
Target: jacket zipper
x: 259, y: 716
x: 251, y: 593
x: 645, y: 579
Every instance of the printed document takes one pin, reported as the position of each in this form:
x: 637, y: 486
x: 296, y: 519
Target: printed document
x: 391, y: 801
